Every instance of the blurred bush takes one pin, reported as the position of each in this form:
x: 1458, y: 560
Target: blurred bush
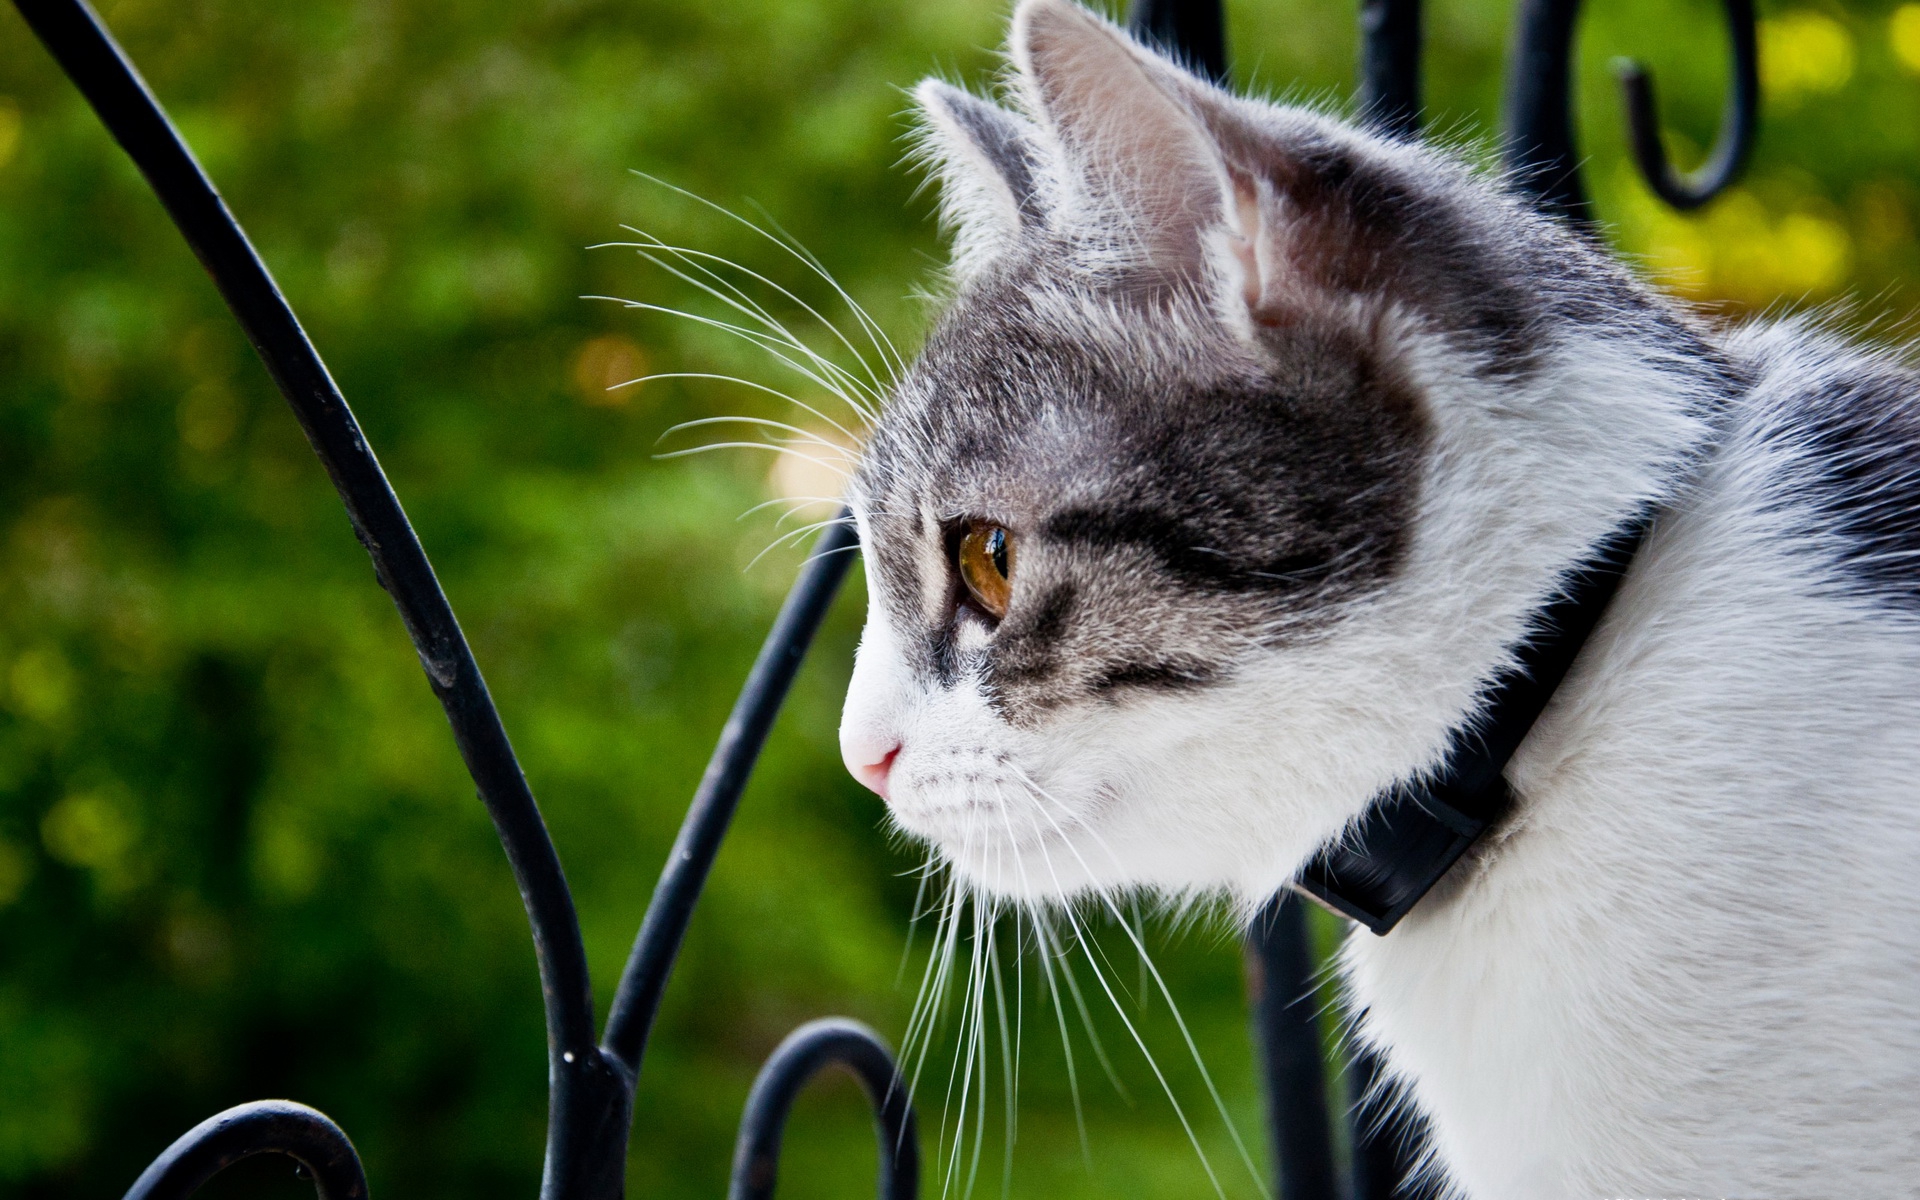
x: 238, y: 855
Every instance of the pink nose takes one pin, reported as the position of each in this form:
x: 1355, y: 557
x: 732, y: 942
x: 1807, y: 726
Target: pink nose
x: 873, y: 775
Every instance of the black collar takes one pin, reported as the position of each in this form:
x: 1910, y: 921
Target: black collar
x: 1413, y: 832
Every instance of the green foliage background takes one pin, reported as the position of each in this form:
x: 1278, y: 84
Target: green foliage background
x: 238, y: 856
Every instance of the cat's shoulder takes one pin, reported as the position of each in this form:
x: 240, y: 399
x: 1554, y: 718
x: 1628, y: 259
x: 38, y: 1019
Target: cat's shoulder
x: 1832, y: 426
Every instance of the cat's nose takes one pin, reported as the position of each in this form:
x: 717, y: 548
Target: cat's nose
x: 871, y: 764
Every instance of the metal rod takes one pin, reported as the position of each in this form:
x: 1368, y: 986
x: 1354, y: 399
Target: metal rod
x: 1287, y: 1029
x: 1193, y: 31
x: 1538, y: 114
x: 1390, y: 40
x: 263, y: 1127
x: 807, y: 1051
x: 1385, y: 1135
x: 637, y: 1001
x: 586, y: 1091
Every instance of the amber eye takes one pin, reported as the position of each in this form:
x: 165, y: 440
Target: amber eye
x: 986, y: 567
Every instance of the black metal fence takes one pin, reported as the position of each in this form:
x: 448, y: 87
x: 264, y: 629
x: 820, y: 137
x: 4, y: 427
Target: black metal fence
x: 592, y: 1076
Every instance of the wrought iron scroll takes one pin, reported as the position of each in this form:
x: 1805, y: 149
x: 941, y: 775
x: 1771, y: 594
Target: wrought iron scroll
x: 263, y: 1127
x: 590, y: 1089
x: 1538, y: 119
x: 808, y: 1050
x: 1739, y: 123
x: 591, y: 1082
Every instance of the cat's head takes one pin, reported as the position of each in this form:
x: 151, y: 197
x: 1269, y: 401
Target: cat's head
x: 1241, y: 454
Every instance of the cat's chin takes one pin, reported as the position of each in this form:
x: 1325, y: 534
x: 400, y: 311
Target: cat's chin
x: 1016, y: 852
x: 1019, y: 855
x: 1027, y: 875
x: 1050, y: 872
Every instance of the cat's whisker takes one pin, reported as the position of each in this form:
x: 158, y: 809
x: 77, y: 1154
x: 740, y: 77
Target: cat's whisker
x: 960, y: 1070
x: 746, y: 304
x: 1009, y: 1049
x: 729, y: 292
x: 799, y: 532
x: 983, y: 925
x: 890, y: 355
x: 883, y: 345
x: 773, y: 446
x: 966, y: 1048
x: 914, y: 916
x: 772, y: 328
x: 1080, y: 1005
x: 805, y: 435
x: 726, y: 290
x: 941, y: 1143
x: 795, y: 506
x: 930, y: 1002
x: 853, y: 548
x: 1140, y: 948
x: 790, y: 537
x: 746, y: 383
x: 1153, y: 1064
x: 792, y: 247
x: 801, y: 504
x: 914, y: 1039
x: 777, y: 346
x: 1066, y: 1042
x: 1013, y: 1054
x: 1045, y: 953
x: 771, y: 345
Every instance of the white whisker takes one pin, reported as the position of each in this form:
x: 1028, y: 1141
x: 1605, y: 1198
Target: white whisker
x: 1213, y: 1091
x: 785, y: 242
x: 790, y: 537
x: 776, y: 448
x: 882, y: 344
x: 764, y: 423
x: 746, y: 383
x: 771, y: 345
x: 872, y: 385
x: 774, y: 329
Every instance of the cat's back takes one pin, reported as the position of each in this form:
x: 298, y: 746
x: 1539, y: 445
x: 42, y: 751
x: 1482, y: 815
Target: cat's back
x: 1827, y: 440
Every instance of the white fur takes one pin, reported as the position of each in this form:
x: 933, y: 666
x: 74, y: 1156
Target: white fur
x: 1689, y: 967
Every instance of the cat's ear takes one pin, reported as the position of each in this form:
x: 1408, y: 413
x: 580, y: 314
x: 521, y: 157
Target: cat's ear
x: 1142, y: 162
x: 1169, y: 160
x: 986, y: 161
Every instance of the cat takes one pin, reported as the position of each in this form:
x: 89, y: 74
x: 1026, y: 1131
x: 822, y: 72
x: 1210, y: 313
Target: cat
x: 1245, y: 452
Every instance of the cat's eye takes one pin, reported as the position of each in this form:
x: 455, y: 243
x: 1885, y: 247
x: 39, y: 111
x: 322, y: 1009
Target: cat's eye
x: 985, y: 559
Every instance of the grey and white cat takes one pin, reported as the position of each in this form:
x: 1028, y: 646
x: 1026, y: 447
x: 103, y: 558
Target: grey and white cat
x: 1240, y: 461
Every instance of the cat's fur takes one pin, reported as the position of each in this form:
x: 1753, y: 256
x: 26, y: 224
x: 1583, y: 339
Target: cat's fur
x: 1295, y: 428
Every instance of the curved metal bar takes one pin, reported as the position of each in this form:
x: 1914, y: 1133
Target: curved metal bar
x: 1194, y: 31
x: 587, y: 1092
x: 1739, y: 122
x: 264, y: 1127
x: 644, y: 981
x: 808, y: 1050
x: 1390, y: 37
x: 1538, y: 117
x: 1286, y: 1020
x: 1538, y: 114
